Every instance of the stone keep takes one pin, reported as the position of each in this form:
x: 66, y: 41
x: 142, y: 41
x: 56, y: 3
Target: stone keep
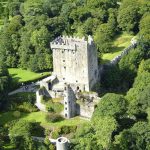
x: 75, y: 61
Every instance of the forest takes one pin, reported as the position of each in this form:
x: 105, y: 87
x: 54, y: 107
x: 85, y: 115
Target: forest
x: 121, y: 120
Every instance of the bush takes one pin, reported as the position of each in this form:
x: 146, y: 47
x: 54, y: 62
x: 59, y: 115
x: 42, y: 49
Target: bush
x: 55, y: 134
x: 63, y: 130
x: 68, y: 129
x: 27, y: 107
x: 54, y: 107
x: 16, y: 114
x: 52, y: 117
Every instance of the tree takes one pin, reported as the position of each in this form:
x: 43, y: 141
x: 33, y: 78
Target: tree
x: 104, y: 128
x: 140, y: 103
x: 103, y: 38
x: 128, y: 16
x: 21, y: 134
x: 85, y: 139
x: 138, y: 96
x: 144, y: 66
x: 145, y: 32
x: 4, y: 83
x: 112, y: 105
x: 97, y: 134
x: 128, y: 66
x: 135, y: 138
x: 111, y: 78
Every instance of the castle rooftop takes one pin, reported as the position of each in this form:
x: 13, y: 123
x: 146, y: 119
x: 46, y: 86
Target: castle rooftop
x: 67, y: 42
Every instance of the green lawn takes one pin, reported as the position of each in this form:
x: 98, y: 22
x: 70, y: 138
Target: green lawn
x: 120, y: 42
x: 7, y: 117
x: 39, y: 117
x: 21, y: 75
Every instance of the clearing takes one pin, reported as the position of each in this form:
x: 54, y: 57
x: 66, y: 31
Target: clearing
x: 21, y: 75
x: 39, y: 117
x: 120, y: 43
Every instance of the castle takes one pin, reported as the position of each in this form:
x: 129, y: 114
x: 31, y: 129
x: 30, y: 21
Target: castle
x: 75, y: 70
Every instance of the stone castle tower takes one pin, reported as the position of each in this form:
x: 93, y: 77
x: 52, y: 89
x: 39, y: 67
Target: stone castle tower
x: 75, y: 61
x: 75, y: 69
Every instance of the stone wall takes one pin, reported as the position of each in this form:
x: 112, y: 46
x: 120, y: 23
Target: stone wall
x: 69, y: 102
x: 75, y: 61
x: 86, y: 104
x: 117, y: 58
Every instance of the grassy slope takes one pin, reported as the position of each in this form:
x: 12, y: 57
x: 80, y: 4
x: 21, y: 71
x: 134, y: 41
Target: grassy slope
x: 120, y: 42
x: 39, y: 117
x: 25, y: 75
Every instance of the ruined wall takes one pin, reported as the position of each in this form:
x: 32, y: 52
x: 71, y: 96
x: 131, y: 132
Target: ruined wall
x: 69, y: 102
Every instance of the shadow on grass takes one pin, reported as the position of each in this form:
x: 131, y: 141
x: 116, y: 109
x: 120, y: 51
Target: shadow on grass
x: 7, y: 117
x: 15, y: 79
x: 117, y: 49
x: 104, y: 61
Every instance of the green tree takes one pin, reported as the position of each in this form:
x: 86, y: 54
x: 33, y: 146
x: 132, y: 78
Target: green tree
x: 144, y: 66
x: 145, y: 33
x: 21, y: 134
x: 128, y: 16
x: 113, y: 105
x: 103, y: 38
x: 104, y: 128
x: 4, y: 83
x: 128, y: 66
x: 135, y: 138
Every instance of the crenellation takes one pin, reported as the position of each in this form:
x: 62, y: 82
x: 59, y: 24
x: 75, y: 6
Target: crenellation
x: 76, y: 68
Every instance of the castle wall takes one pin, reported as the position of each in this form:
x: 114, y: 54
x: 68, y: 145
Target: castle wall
x: 69, y: 102
x: 75, y: 61
x: 92, y: 64
x: 86, y: 111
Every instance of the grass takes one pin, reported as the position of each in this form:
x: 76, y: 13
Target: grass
x: 120, y: 43
x: 39, y: 117
x: 52, y: 104
x: 21, y: 75
x: 8, y: 116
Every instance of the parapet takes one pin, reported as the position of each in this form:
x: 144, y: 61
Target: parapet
x: 66, y: 42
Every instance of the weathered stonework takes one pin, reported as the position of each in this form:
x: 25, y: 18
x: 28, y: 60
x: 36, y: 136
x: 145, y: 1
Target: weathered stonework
x: 75, y: 61
x: 75, y: 69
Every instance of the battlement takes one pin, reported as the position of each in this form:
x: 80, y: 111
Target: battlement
x: 66, y: 42
x: 62, y: 46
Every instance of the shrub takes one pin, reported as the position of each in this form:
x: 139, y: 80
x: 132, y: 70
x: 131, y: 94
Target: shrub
x: 55, y: 134
x: 53, y: 117
x: 16, y: 114
x: 68, y: 129
x: 27, y: 107
x: 54, y: 107
x: 63, y: 130
x: 49, y: 108
x: 52, y: 147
